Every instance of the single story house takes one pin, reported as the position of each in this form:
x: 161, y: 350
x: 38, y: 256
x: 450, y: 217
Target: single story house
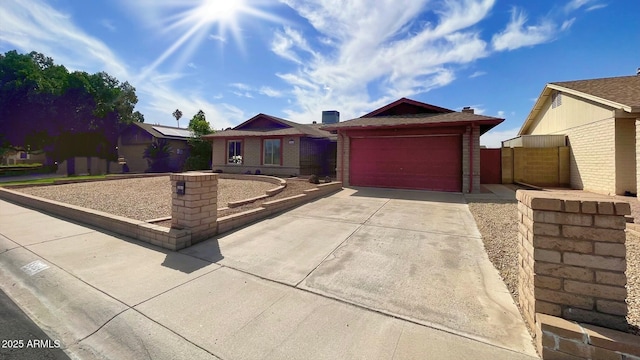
x: 601, y: 121
x: 408, y: 144
x: 270, y: 145
x: 136, y: 137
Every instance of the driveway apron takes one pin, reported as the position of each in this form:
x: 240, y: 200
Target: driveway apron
x: 415, y: 255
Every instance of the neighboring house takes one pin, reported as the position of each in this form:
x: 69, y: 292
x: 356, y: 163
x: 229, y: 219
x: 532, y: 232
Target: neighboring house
x: 136, y: 137
x: 412, y: 145
x: 600, y: 118
x: 17, y: 157
x: 270, y: 145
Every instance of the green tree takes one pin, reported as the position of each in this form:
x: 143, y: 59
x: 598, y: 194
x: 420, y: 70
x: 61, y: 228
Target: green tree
x: 44, y: 107
x: 199, y: 149
x: 177, y: 114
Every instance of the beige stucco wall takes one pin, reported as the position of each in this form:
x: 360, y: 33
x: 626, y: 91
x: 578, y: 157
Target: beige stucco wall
x: 252, y: 158
x: 625, y: 155
x: 571, y: 113
x: 133, y: 155
x: 291, y: 152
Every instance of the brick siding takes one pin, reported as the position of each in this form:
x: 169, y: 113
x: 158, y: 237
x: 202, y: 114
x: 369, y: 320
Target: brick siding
x: 592, y: 158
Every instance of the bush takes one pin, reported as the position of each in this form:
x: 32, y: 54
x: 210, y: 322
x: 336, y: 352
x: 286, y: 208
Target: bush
x: 314, y: 179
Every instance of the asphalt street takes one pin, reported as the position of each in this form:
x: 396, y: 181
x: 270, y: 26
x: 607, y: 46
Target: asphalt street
x: 21, y: 338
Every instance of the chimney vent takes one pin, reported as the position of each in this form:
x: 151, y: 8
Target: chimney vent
x: 330, y: 117
x: 468, y: 110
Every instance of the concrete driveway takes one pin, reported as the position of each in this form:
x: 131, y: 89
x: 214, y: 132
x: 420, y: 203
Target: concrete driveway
x: 362, y: 274
x: 414, y: 255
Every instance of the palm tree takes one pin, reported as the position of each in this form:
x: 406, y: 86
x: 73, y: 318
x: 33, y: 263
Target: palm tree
x: 177, y: 114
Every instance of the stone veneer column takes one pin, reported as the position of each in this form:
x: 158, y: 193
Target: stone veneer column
x: 571, y: 256
x: 197, y: 209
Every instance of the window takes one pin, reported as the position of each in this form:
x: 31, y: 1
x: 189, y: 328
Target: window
x: 235, y: 152
x: 271, y: 154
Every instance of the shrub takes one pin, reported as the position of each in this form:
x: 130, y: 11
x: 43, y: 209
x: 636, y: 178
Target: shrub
x: 314, y: 179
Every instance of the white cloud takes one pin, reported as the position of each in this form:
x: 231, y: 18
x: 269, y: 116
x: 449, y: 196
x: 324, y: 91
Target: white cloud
x: 567, y: 24
x: 477, y: 74
x: 576, y: 4
x: 34, y: 25
x: 268, y: 91
x: 493, y: 138
x: 241, y: 86
x: 245, y: 94
x: 192, y: 65
x: 590, y: 5
x: 517, y: 35
x: 220, y: 38
x: 501, y: 114
x: 596, y: 7
x: 108, y: 24
x: 288, y: 40
x: 377, y: 46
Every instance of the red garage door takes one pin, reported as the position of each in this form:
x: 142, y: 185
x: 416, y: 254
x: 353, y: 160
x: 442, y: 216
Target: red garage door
x: 425, y: 162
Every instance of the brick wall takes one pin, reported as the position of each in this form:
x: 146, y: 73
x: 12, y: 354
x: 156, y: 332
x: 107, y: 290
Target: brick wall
x: 571, y: 253
x: 343, y: 159
x: 197, y: 209
x: 476, y: 159
x: 537, y: 166
x: 465, y: 161
x: 592, y: 156
x: 637, y: 151
x: 507, y: 165
x: 558, y: 338
x: 625, y: 153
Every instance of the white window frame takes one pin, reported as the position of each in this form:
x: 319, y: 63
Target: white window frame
x: 235, y: 159
x: 266, y: 161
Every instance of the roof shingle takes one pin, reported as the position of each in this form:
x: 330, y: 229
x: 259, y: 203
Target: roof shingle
x: 624, y: 90
x: 293, y: 129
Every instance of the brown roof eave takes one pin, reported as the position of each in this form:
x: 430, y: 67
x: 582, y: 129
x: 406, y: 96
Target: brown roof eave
x: 487, y: 122
x: 221, y: 136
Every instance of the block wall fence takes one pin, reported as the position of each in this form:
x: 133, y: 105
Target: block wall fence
x: 571, y: 256
x: 194, y: 215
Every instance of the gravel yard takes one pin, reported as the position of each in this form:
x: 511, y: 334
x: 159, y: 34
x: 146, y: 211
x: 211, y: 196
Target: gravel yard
x: 141, y: 198
x: 498, y: 224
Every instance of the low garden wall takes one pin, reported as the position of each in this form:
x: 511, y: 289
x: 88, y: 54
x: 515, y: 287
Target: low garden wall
x: 571, y: 281
x: 194, y: 214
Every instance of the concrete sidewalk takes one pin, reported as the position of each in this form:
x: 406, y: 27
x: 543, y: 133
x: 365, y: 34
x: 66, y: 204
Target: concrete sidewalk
x: 103, y: 296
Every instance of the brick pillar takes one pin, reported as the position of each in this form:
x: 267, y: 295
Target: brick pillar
x: 571, y: 255
x: 465, y: 160
x: 475, y: 136
x: 197, y: 209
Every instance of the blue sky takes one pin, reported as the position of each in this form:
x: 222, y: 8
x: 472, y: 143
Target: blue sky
x: 294, y: 58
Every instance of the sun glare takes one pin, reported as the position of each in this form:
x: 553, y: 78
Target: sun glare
x: 194, y: 21
x: 219, y: 10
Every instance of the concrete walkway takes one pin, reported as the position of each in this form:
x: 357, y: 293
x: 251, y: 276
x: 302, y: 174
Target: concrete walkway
x: 362, y: 274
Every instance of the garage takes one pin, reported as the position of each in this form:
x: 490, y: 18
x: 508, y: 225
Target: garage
x: 428, y: 162
x: 408, y: 144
